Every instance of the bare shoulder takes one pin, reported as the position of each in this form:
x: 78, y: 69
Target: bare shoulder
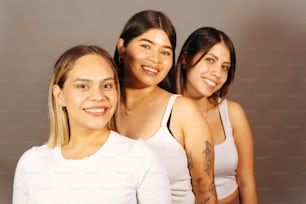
x: 185, y: 107
x: 239, y: 119
x: 235, y: 109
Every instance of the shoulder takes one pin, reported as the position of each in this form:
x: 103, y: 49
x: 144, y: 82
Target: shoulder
x: 184, y: 105
x: 237, y: 115
x: 36, y: 151
x: 35, y: 155
x: 235, y: 109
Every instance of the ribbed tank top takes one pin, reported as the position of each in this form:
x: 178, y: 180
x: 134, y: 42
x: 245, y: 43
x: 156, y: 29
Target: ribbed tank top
x: 226, y: 158
x: 173, y: 157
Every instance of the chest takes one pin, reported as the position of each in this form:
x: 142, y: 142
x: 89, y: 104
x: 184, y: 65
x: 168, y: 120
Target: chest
x: 85, y: 182
x: 215, y: 123
x: 143, y: 121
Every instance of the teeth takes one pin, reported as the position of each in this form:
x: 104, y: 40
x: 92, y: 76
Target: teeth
x: 96, y: 110
x: 150, y: 69
x: 211, y: 83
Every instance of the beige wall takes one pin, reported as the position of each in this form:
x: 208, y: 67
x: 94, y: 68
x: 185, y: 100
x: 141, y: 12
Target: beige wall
x: 270, y: 39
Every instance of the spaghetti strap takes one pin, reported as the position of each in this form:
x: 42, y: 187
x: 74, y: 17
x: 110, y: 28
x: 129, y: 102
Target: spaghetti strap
x: 223, y: 108
x: 168, y: 109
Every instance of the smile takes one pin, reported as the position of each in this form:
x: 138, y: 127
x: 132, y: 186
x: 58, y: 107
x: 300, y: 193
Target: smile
x: 209, y: 82
x: 150, y: 69
x: 95, y: 110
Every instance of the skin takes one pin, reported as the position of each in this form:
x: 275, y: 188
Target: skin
x: 205, y: 78
x: 148, y: 59
x: 90, y: 97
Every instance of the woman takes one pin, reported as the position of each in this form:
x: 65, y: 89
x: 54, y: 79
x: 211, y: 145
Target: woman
x: 204, y: 72
x: 171, y: 124
x: 85, y: 161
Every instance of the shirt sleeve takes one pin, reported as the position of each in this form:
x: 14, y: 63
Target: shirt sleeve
x: 153, y: 182
x: 19, y: 190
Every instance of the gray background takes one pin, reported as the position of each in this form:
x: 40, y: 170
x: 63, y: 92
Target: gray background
x: 270, y: 39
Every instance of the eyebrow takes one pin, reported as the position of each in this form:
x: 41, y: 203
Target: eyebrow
x: 150, y: 41
x: 89, y: 80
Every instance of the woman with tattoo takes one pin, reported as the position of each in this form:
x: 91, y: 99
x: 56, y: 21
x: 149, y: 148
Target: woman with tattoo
x: 171, y: 124
x: 204, y: 72
x: 85, y: 161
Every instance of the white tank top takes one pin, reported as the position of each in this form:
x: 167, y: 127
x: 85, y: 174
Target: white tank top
x: 173, y: 157
x: 226, y: 158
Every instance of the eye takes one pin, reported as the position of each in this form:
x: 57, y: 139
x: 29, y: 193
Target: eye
x: 226, y: 67
x: 82, y: 86
x: 210, y: 60
x: 109, y: 85
x: 166, y: 52
x: 146, y: 46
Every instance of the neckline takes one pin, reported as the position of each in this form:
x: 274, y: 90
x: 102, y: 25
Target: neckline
x: 94, y: 155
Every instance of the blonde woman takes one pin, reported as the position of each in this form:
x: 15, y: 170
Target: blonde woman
x: 85, y: 161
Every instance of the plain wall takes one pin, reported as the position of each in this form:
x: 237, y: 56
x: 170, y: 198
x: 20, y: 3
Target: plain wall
x: 270, y: 40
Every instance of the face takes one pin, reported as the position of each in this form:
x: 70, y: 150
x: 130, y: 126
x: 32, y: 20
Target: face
x: 147, y: 58
x: 210, y: 73
x: 89, y: 93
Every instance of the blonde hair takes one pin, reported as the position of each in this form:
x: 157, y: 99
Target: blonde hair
x: 59, y: 121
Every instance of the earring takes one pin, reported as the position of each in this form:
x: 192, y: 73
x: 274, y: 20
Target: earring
x: 120, y: 60
x: 64, y: 109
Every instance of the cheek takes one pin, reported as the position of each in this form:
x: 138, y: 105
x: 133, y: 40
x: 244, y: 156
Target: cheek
x: 113, y: 98
x: 224, y: 77
x: 73, y: 99
x: 167, y: 63
x: 134, y: 55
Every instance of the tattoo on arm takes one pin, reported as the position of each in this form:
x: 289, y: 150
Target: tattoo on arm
x: 207, y: 153
x: 189, y: 159
x: 206, y: 200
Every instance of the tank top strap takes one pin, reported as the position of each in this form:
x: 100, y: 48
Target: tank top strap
x: 169, y: 109
x: 225, y: 119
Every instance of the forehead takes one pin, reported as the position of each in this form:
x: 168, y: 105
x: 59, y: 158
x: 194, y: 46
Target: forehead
x: 157, y: 36
x: 91, y: 66
x: 220, y: 49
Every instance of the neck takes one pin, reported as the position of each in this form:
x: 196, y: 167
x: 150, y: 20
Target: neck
x: 132, y: 97
x: 84, y: 144
x: 202, y: 102
x: 87, y: 138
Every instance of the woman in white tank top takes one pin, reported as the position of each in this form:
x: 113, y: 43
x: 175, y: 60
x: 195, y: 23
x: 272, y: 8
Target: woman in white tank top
x: 204, y: 73
x: 172, y: 125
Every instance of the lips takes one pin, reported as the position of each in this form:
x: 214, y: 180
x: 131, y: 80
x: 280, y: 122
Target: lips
x: 210, y: 82
x: 150, y: 70
x: 96, y: 111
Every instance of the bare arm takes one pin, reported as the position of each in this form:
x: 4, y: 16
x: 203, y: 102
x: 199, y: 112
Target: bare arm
x: 199, y: 148
x: 244, y: 142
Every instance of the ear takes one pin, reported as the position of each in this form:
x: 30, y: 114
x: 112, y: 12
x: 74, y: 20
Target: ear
x: 184, y: 58
x: 58, y: 95
x: 120, y: 46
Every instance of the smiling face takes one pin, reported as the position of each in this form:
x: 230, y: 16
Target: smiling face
x: 89, y: 93
x: 210, y: 73
x: 147, y: 58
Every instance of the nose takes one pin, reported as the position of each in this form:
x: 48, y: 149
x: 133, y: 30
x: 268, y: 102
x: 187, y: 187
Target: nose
x: 216, y: 71
x: 96, y: 94
x: 154, y: 57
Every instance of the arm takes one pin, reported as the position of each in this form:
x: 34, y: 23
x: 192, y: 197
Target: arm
x: 244, y: 143
x: 19, y: 191
x: 199, y: 148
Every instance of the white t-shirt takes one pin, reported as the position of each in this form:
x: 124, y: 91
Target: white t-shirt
x: 122, y: 171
